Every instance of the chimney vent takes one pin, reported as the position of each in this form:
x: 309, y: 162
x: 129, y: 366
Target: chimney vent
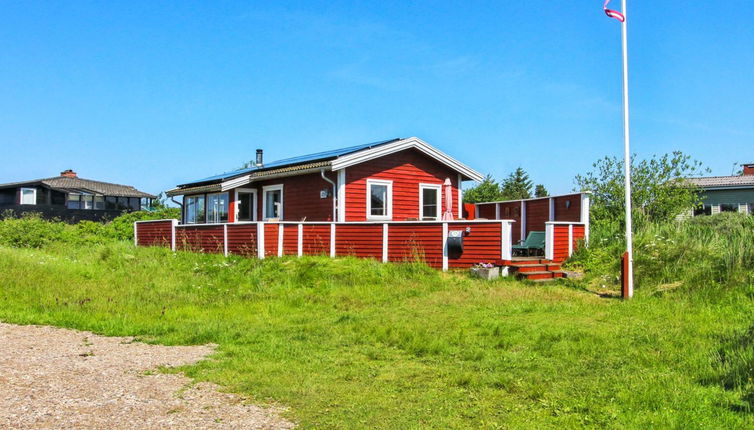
x: 260, y: 161
x: 68, y: 173
x: 748, y: 168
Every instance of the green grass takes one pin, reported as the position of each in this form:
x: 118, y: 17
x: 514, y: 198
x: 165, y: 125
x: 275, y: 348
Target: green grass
x: 350, y: 343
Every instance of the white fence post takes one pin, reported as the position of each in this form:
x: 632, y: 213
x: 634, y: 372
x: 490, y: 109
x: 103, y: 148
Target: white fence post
x: 225, y: 240
x: 280, y: 240
x: 523, y: 220
x: 136, y: 236
x: 384, y: 243
x: 332, y: 240
x: 585, y: 202
x: 506, y: 241
x: 173, y: 226
x: 260, y: 239
x: 549, y: 241
x: 300, y: 240
x: 570, y: 239
x: 444, y: 246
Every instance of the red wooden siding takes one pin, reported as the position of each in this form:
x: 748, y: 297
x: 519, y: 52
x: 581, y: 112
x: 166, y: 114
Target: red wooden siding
x: 290, y: 239
x: 573, y: 213
x: 487, y: 211
x: 482, y: 244
x: 207, y: 238
x: 156, y: 233
x: 316, y: 239
x: 537, y: 214
x: 512, y: 210
x: 271, y: 239
x: 300, y: 197
x: 242, y: 239
x: 560, y: 245
x: 578, y: 235
x: 407, y: 242
x: 361, y: 240
x: 407, y: 169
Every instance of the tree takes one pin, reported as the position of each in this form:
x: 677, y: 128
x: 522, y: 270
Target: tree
x: 540, y: 191
x: 517, y: 185
x: 487, y: 191
x: 659, y: 191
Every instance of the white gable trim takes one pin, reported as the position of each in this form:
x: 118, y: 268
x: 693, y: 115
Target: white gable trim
x: 403, y: 144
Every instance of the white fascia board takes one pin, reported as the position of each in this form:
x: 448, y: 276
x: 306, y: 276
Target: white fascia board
x: 411, y: 142
x: 235, y: 182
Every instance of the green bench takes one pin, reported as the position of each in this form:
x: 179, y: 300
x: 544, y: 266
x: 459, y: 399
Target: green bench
x: 533, y: 245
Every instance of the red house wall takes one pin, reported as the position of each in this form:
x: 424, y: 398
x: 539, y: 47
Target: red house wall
x: 407, y: 169
x: 572, y: 213
x: 537, y: 214
x: 300, y: 197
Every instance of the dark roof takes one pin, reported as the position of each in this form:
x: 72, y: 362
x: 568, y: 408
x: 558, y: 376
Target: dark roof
x: 723, y: 181
x: 80, y: 185
x: 319, y: 156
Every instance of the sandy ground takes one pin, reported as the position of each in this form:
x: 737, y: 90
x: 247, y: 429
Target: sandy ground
x: 53, y: 378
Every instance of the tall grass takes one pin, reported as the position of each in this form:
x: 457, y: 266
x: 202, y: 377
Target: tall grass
x: 354, y: 343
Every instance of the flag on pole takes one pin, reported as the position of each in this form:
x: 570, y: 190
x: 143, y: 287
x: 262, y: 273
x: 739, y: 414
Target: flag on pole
x: 613, y: 13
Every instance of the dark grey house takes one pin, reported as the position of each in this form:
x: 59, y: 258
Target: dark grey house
x: 726, y: 193
x: 71, y: 198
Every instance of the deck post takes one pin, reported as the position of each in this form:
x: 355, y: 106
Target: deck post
x: 300, y: 239
x: 384, y: 242
x: 332, y: 239
x: 570, y: 239
x: 280, y: 239
x: 497, y: 210
x: 585, y: 216
x: 506, y: 241
x: 549, y: 241
x: 260, y: 240
x: 444, y: 246
x: 136, y: 236
x: 551, y: 209
x: 523, y: 220
x: 225, y: 240
x: 173, y: 226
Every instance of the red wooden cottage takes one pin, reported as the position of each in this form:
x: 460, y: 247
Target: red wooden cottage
x: 391, y: 180
x: 394, y: 200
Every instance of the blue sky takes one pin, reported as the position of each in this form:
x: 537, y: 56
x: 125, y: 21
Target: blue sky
x: 157, y: 93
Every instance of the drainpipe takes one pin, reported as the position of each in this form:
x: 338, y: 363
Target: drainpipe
x: 334, y: 196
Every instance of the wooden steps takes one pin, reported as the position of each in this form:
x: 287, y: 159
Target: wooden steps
x: 534, y: 269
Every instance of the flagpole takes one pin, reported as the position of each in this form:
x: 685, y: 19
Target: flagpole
x: 627, y: 157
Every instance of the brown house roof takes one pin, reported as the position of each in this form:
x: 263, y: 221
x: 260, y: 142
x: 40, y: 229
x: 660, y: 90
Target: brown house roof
x: 723, y: 181
x: 80, y: 185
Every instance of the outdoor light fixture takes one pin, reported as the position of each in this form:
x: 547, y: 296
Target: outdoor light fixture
x: 568, y: 204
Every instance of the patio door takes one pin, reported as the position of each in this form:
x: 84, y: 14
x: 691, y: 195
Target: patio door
x: 246, y: 205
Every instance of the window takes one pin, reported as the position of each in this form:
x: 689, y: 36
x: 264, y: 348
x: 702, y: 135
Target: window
x: 246, y: 205
x: 122, y: 203
x: 74, y: 201
x: 703, y: 210
x: 99, y: 202
x: 87, y: 202
x: 728, y: 207
x: 111, y: 203
x: 194, y: 209
x: 751, y: 208
x: 272, y: 203
x: 28, y: 196
x: 429, y: 201
x: 379, y: 199
x: 134, y: 203
x: 217, y: 207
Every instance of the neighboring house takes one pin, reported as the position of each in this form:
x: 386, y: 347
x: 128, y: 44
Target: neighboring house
x: 726, y: 193
x: 391, y: 180
x: 71, y: 198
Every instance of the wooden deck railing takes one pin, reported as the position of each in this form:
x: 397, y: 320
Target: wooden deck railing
x: 386, y: 241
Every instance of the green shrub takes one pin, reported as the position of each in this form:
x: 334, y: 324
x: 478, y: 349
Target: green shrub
x: 29, y: 231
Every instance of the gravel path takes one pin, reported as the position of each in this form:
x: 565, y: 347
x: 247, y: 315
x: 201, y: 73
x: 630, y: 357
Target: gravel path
x: 53, y: 378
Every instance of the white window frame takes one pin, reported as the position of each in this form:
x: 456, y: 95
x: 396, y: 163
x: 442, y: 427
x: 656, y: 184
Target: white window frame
x: 237, y: 198
x: 207, y: 209
x: 21, y: 196
x: 438, y: 190
x: 265, y: 190
x: 185, y: 208
x: 388, y: 203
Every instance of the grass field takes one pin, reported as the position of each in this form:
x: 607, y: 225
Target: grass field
x: 350, y: 343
